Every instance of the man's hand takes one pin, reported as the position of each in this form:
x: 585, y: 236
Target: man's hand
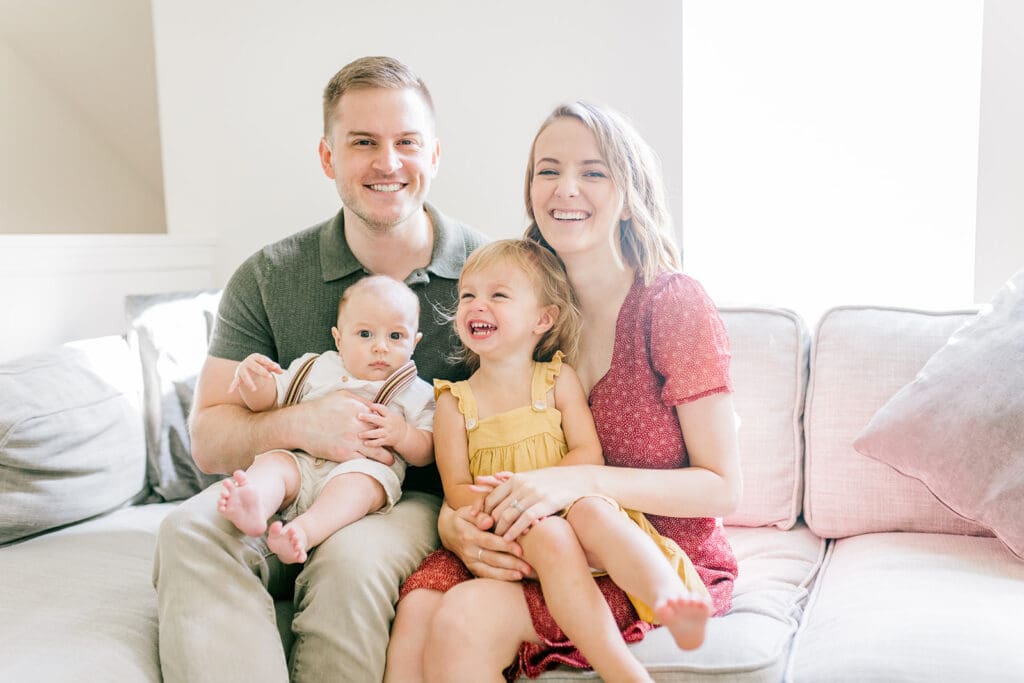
x: 328, y: 427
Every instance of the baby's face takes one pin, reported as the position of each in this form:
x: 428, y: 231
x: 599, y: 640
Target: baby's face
x: 376, y: 334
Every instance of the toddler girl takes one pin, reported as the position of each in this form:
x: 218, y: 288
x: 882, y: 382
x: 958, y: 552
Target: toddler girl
x: 524, y: 409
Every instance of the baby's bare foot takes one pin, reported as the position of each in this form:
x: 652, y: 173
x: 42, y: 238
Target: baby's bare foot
x: 287, y: 542
x: 685, y: 617
x: 240, y: 503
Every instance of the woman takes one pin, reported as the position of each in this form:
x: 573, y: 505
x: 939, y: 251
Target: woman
x: 654, y: 361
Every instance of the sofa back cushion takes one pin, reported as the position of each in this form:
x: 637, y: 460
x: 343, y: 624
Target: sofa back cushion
x: 171, y: 332
x: 769, y: 374
x: 71, y: 436
x: 860, y: 358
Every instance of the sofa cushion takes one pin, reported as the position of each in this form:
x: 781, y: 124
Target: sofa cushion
x: 861, y: 356
x: 959, y: 426
x: 751, y: 642
x: 913, y: 607
x: 769, y: 375
x: 79, y: 604
x: 71, y: 436
x: 171, y: 332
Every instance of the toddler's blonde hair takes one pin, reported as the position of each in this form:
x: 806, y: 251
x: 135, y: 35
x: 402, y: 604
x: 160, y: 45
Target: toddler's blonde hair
x: 551, y: 286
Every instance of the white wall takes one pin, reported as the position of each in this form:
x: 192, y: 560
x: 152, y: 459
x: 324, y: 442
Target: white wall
x: 1000, y: 241
x: 240, y: 84
x: 830, y: 151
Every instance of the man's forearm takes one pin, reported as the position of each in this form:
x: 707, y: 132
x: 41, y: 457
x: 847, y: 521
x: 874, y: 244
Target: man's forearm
x: 227, y: 437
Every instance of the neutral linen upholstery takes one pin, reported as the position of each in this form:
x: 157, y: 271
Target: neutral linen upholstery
x: 78, y: 604
x: 70, y: 436
x: 959, y: 426
x: 861, y: 357
x: 752, y: 642
x: 171, y: 333
x: 913, y: 607
x: 769, y: 374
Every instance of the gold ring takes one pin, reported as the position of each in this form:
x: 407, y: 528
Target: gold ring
x: 479, y: 553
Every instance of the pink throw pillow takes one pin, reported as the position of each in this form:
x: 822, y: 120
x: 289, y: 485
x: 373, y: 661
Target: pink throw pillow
x: 959, y: 426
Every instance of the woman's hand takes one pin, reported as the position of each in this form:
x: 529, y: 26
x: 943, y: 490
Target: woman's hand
x: 518, y: 501
x: 486, y: 555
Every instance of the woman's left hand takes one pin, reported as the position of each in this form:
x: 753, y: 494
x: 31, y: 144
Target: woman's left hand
x: 518, y: 501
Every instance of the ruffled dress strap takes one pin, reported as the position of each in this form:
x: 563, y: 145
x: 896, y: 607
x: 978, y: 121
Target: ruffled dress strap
x: 467, y: 401
x: 544, y: 376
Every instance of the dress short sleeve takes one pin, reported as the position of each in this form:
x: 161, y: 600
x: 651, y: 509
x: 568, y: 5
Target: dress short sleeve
x: 689, y: 344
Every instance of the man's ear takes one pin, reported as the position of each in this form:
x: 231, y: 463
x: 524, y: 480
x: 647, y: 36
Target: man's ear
x: 326, y: 158
x: 547, y: 319
x: 435, y: 157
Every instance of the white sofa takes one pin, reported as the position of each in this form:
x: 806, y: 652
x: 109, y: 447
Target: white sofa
x: 849, y: 571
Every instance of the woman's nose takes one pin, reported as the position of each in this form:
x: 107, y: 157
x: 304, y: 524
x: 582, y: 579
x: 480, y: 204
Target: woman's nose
x: 567, y: 187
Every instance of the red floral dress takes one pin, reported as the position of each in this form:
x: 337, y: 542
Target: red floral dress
x: 670, y: 348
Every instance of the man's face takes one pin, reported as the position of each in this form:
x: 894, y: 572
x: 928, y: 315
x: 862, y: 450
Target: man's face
x: 382, y: 155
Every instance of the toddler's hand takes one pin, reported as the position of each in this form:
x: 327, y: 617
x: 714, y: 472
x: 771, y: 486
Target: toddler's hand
x: 255, y: 368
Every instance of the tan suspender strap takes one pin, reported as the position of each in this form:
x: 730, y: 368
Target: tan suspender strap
x: 295, y: 387
x: 396, y: 383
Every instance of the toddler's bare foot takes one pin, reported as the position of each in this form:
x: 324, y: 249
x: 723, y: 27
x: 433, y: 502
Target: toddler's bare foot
x: 685, y: 617
x: 240, y: 503
x: 287, y: 542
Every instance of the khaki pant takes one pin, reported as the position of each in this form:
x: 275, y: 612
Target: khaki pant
x: 216, y: 589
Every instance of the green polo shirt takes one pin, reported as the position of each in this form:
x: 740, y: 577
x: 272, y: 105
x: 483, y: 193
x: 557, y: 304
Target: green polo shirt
x: 283, y: 300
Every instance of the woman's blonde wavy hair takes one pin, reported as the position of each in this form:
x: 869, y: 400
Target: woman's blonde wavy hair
x: 645, y: 237
x: 551, y: 286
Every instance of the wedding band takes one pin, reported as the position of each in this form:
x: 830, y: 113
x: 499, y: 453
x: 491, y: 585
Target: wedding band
x: 479, y: 553
x: 516, y: 505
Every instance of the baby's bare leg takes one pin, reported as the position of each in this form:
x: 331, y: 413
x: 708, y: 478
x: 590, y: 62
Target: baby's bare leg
x: 635, y: 563
x: 344, y: 499
x: 248, y: 498
x: 576, y: 602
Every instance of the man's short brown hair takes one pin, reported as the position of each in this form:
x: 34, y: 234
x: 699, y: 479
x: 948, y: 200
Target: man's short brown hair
x: 371, y: 72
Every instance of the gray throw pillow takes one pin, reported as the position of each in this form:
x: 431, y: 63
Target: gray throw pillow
x: 171, y: 332
x: 71, y: 437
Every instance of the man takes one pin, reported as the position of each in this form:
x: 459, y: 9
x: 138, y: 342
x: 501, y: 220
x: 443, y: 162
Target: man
x: 215, y: 586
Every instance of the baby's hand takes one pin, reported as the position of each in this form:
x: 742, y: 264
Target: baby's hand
x: 256, y: 368
x: 388, y: 427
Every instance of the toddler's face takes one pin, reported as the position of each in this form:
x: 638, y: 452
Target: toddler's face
x: 376, y: 334
x: 499, y: 312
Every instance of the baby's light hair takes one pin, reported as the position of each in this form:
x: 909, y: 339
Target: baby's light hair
x: 379, y: 284
x: 551, y: 286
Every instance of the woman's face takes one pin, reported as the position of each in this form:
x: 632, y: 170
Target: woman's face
x: 575, y: 203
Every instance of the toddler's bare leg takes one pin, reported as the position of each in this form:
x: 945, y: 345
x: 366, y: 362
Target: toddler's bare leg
x: 575, y: 601
x: 409, y: 635
x: 343, y: 500
x: 248, y: 498
x: 615, y: 544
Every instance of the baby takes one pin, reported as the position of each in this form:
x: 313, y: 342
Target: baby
x: 376, y: 332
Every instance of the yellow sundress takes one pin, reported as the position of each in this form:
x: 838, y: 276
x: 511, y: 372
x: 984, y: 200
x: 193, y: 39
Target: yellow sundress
x: 531, y: 437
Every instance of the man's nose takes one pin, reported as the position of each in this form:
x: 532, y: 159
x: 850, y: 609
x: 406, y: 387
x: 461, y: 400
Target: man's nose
x: 387, y: 160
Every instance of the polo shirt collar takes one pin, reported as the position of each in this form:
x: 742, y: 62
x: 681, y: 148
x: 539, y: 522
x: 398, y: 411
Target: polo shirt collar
x: 338, y: 261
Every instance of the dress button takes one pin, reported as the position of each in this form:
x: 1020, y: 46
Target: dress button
x: 540, y: 405
x: 470, y: 423
x: 344, y: 378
